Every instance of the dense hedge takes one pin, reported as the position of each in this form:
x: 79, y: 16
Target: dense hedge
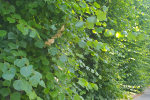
x: 73, y: 49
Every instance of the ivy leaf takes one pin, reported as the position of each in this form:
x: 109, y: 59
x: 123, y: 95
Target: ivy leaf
x: 42, y: 83
x: 52, y: 51
x: 9, y: 74
x: 5, y: 92
x: 50, y: 76
x: 11, y: 20
x: 2, y: 33
x: 39, y: 44
x: 62, y: 96
x: 63, y: 58
x: 82, y: 44
x: 100, y: 15
x: 82, y: 82
x: 26, y: 71
x: 15, y: 96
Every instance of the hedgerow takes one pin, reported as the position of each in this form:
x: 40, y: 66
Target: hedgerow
x: 73, y: 49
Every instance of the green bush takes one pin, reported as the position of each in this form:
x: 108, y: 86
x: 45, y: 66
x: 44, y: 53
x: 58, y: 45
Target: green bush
x: 73, y: 49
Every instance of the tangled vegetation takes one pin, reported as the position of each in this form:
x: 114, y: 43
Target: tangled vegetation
x: 73, y: 49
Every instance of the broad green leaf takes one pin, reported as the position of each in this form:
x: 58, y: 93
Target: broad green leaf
x: 15, y: 96
x: 2, y: 33
x: 89, y: 0
x: 22, y: 43
x: 131, y: 36
x: 53, y: 27
x: 32, y: 11
x: 16, y: 16
x: 39, y: 44
x: 13, y: 46
x: 79, y: 24
x: 105, y: 9
x: 99, y: 29
x: 109, y: 33
x: 95, y: 87
x: 26, y: 87
x: 20, y: 27
x: 23, y: 22
x: 35, y: 79
x: 52, y: 51
x: 5, y: 92
x: 82, y: 82
x: 50, y: 76
x: 11, y: 35
x: 4, y: 66
x: 12, y: 8
x: 62, y: 96
x: 32, y: 95
x: 76, y: 97
x: 19, y: 53
x: 96, y: 5
x: 33, y: 34
x: 90, y: 25
x: 141, y: 37
x: 92, y: 19
x: 45, y: 62
x: 62, y: 77
x: 6, y: 83
x: 26, y: 71
x: 38, y: 98
x: 9, y: 74
x: 100, y: 15
x: 63, y: 58
x: 89, y: 86
x: 10, y: 59
x: 21, y: 62
x: 82, y: 44
x: 54, y: 93
x: 42, y: 83
x: 25, y: 31
x: 11, y: 20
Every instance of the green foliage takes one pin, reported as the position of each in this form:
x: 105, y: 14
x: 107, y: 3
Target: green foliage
x: 73, y: 49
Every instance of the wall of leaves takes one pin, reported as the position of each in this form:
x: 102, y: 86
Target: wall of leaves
x: 73, y: 49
